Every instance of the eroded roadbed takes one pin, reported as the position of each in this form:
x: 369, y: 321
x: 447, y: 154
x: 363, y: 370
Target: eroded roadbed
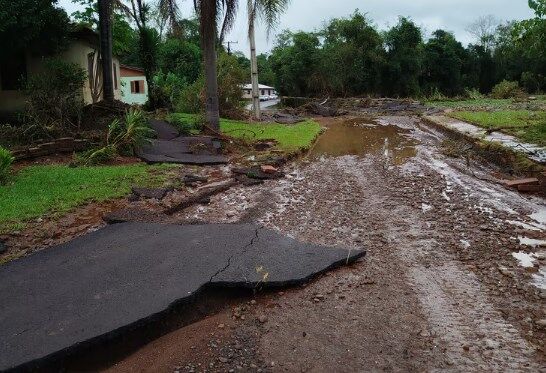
x: 111, y: 280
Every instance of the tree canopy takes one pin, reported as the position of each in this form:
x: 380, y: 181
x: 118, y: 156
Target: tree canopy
x: 37, y: 25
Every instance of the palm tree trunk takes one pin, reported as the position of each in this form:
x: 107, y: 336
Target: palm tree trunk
x: 105, y: 31
x: 254, y: 71
x: 208, y: 15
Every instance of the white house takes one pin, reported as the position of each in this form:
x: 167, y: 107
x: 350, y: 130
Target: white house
x: 265, y: 90
x: 134, y: 89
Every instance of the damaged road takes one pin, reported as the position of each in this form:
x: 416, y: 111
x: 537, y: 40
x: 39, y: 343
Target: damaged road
x: 97, y: 286
x: 453, y: 279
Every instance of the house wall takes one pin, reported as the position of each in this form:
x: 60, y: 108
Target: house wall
x: 247, y: 94
x: 14, y: 101
x: 133, y: 98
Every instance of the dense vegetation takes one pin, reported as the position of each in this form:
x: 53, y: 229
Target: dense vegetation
x: 350, y: 56
x: 347, y: 57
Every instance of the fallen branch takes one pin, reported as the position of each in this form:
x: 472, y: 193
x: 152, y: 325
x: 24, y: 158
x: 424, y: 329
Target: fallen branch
x: 200, y: 195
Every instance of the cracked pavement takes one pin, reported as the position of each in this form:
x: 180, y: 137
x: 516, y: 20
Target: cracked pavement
x: 117, y: 278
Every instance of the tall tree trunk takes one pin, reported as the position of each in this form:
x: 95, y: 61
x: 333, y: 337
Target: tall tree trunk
x: 105, y: 31
x: 254, y: 70
x: 208, y: 15
x: 148, y: 57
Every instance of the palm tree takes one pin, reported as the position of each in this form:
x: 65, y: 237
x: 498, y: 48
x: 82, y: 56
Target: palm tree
x: 105, y: 32
x: 209, y: 12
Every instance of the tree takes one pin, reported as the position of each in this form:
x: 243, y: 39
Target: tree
x: 209, y: 12
x: 539, y: 6
x: 483, y: 29
x: 404, y: 59
x: 443, y: 63
x: 295, y: 60
x: 355, y: 53
x: 36, y: 25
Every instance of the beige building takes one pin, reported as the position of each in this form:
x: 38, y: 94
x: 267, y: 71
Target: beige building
x: 82, y: 50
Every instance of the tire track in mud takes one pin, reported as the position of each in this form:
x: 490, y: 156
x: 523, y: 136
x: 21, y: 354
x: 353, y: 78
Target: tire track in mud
x: 435, y: 239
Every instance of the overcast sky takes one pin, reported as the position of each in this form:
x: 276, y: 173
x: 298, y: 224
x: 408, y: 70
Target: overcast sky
x: 310, y: 15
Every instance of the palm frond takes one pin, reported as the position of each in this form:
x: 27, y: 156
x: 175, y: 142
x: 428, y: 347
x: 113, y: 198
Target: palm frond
x: 230, y: 12
x: 270, y: 11
x: 170, y: 12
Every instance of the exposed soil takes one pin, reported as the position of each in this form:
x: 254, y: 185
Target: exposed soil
x: 440, y: 288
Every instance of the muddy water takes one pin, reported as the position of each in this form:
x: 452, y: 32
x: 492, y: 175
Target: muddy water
x: 363, y: 136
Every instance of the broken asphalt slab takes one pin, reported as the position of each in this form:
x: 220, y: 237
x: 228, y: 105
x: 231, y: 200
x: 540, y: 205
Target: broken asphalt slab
x: 164, y: 130
x: 95, y: 287
x: 170, y: 147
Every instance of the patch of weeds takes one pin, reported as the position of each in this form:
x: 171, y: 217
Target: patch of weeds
x: 516, y: 162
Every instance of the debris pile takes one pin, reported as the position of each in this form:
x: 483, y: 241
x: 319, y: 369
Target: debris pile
x: 528, y: 185
x: 353, y: 106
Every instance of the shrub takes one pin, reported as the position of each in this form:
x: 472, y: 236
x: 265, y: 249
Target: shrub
x: 168, y: 89
x: 473, y: 94
x: 532, y: 83
x: 436, y: 95
x: 187, y: 124
x: 124, y: 137
x: 231, y: 77
x: 55, y: 100
x: 192, y: 98
x: 6, y: 159
x: 506, y: 89
x: 95, y: 157
x: 130, y: 133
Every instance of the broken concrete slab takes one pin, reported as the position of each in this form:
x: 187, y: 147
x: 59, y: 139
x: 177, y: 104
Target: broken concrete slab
x: 98, y: 286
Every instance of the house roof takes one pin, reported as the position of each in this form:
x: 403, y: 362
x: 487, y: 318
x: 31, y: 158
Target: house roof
x: 262, y: 86
x: 132, y: 68
x: 82, y: 32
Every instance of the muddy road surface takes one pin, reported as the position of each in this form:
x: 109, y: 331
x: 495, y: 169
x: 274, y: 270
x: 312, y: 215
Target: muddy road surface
x: 454, y: 279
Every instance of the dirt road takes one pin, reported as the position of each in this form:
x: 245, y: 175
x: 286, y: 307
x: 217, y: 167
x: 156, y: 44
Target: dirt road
x: 440, y: 288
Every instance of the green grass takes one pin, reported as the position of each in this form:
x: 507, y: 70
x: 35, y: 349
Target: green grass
x: 529, y: 126
x: 37, y: 190
x: 489, y: 104
x: 290, y: 138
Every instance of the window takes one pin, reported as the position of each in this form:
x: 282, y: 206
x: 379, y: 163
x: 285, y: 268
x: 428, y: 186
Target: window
x: 263, y: 92
x: 13, y: 71
x: 115, y: 77
x: 138, y: 87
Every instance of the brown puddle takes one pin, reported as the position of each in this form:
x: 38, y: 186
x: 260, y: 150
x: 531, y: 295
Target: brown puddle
x: 362, y: 136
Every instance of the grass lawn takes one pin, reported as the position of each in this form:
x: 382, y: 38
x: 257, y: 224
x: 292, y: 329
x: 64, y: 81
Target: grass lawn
x: 37, y: 190
x: 489, y: 104
x: 290, y: 138
x: 529, y: 126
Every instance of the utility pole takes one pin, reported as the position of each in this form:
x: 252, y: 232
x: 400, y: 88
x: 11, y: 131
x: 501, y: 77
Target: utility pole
x: 254, y: 69
x: 229, y: 46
